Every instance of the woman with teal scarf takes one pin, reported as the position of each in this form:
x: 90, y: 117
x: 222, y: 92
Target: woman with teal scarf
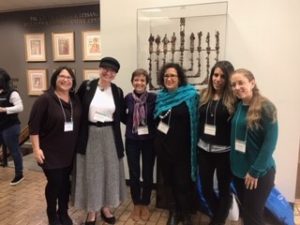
x: 176, y: 140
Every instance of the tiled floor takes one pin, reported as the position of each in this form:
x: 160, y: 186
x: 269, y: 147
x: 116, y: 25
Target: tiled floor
x: 24, y: 204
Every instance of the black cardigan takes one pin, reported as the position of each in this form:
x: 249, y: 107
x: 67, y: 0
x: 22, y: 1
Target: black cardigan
x: 86, y: 93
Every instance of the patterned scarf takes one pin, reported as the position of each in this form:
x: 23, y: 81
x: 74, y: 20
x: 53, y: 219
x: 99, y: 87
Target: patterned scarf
x: 188, y: 94
x: 139, y: 110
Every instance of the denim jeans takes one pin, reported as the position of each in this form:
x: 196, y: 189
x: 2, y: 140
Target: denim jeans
x: 134, y: 149
x: 10, y: 138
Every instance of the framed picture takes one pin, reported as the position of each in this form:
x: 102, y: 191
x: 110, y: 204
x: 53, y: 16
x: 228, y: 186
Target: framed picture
x: 90, y: 74
x: 63, y: 46
x: 91, y: 45
x: 35, y: 47
x: 36, y: 81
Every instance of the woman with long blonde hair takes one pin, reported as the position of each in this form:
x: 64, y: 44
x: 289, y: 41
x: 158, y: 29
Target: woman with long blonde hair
x: 254, y: 135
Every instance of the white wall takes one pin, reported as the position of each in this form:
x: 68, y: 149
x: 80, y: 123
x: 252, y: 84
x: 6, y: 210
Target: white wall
x: 263, y: 36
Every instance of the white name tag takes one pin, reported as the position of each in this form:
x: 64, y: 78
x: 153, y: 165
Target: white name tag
x: 142, y: 130
x: 162, y: 127
x: 68, y: 126
x: 100, y: 117
x: 210, y: 129
x: 240, y: 146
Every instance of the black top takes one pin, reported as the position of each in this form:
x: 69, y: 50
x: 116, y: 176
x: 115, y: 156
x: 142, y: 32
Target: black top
x: 7, y: 120
x: 149, y: 105
x: 86, y: 93
x: 215, y: 113
x: 47, y: 120
x: 175, y: 145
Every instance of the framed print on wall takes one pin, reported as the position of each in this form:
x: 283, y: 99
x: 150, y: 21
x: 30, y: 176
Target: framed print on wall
x: 35, y: 47
x: 91, y: 45
x: 63, y: 46
x: 36, y: 81
x: 90, y: 74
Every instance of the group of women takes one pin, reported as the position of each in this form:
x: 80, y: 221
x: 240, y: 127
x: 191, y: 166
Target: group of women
x: 228, y: 129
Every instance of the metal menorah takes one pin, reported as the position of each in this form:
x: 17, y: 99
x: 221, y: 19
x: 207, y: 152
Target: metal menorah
x: 191, y: 58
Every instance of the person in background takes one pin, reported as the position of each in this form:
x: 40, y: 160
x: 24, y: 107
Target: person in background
x: 140, y: 131
x: 254, y: 133
x: 53, y: 126
x: 216, y: 109
x: 176, y: 140
x: 10, y: 105
x: 100, y: 179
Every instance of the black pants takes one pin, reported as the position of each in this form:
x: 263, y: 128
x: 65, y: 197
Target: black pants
x: 253, y: 201
x: 177, y: 179
x: 209, y: 163
x: 57, y: 190
x: 134, y: 149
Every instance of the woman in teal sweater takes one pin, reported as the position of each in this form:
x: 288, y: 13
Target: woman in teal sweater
x: 254, y: 132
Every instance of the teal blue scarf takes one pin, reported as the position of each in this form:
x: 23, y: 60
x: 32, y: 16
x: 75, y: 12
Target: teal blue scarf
x: 166, y: 100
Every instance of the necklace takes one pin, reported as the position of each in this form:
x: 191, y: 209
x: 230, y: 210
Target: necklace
x: 101, y: 87
x: 212, y: 107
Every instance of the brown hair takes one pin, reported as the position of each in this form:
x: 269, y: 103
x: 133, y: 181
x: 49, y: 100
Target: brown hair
x: 138, y: 72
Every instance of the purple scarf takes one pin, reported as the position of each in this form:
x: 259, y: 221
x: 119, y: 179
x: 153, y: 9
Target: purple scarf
x: 139, y: 111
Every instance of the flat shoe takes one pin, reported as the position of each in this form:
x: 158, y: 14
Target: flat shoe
x: 109, y: 220
x: 90, y: 222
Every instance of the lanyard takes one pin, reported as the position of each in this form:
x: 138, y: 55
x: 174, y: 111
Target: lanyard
x: 62, y: 109
x: 165, y: 115
x: 235, y: 126
x: 214, y: 114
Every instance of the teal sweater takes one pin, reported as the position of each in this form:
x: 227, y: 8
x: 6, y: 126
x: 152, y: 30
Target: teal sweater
x: 260, y: 143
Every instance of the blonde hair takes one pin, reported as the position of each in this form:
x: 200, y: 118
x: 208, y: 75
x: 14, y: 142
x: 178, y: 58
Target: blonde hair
x: 258, y: 105
x: 227, y: 97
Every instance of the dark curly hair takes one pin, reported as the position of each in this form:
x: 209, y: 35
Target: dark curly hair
x: 179, y: 70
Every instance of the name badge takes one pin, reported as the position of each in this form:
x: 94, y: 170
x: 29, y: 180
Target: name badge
x: 162, y: 127
x: 68, y: 126
x: 142, y: 130
x: 100, y: 117
x: 240, y: 146
x: 210, y: 129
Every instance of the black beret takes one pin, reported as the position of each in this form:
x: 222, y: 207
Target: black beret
x: 110, y: 62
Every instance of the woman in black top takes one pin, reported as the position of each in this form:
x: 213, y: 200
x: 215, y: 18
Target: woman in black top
x: 53, y: 126
x: 176, y: 139
x: 10, y: 105
x: 216, y: 108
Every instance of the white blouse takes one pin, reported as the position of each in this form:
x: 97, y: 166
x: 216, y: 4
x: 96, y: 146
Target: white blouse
x: 102, y: 106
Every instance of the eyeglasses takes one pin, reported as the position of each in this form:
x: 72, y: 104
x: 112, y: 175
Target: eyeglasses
x: 109, y: 70
x: 65, y: 77
x: 166, y: 76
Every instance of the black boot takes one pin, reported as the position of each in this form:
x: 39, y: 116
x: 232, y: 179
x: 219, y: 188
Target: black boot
x: 63, y: 200
x: 173, y: 218
x: 216, y: 223
x: 53, y: 218
x: 64, y: 218
x: 187, y: 219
